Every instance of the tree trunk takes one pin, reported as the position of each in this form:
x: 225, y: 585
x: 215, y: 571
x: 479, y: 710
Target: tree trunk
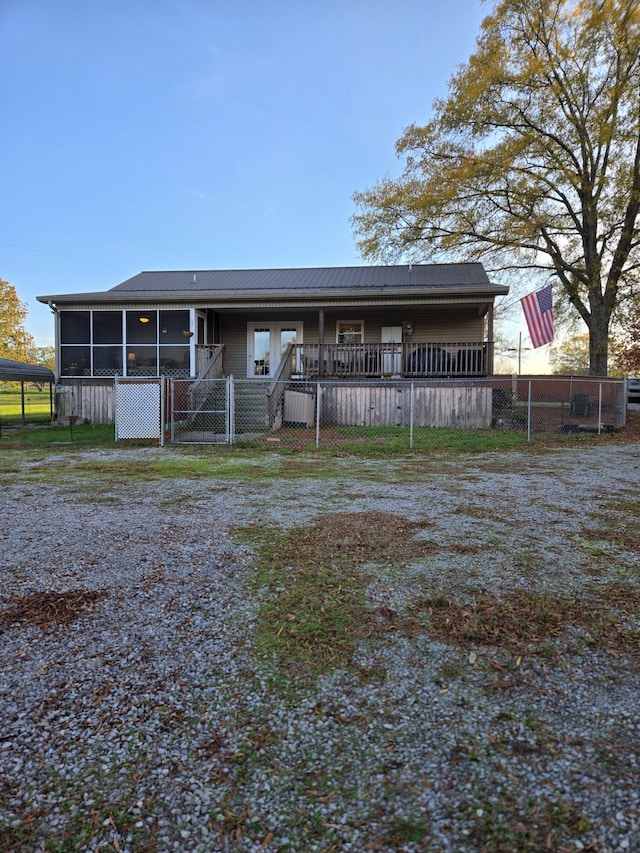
x: 598, y: 344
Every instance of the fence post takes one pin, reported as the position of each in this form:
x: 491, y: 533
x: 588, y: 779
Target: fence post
x: 318, y: 409
x: 529, y: 414
x: 172, y: 411
x: 231, y: 409
x: 411, y: 392
x: 599, y: 408
x: 163, y: 384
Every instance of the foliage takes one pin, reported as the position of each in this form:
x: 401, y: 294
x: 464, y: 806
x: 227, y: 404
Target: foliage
x: 15, y: 341
x: 533, y: 159
x: 627, y: 350
x: 44, y: 356
x: 570, y: 356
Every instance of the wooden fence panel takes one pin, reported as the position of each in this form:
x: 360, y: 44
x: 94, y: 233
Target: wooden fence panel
x: 390, y: 405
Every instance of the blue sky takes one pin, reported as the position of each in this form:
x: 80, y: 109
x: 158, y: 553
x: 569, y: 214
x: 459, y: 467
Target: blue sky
x: 200, y: 134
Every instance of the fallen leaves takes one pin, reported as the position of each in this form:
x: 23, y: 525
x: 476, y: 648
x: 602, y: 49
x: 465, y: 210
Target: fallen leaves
x: 525, y: 622
x: 42, y: 608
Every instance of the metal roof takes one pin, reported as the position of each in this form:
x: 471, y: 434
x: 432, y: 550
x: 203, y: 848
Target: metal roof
x: 434, y: 279
x: 19, y: 371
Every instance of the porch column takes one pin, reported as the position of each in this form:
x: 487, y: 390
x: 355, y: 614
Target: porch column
x: 320, y: 343
x: 490, y: 340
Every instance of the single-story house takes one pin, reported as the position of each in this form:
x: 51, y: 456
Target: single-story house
x: 356, y: 324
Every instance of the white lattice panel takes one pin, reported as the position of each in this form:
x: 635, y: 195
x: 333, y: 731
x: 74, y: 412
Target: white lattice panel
x: 138, y: 409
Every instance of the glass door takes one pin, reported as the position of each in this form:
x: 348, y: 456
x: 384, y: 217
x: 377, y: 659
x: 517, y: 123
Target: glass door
x: 267, y: 344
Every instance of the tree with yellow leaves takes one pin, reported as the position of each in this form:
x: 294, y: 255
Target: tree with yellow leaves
x: 531, y: 162
x: 15, y: 342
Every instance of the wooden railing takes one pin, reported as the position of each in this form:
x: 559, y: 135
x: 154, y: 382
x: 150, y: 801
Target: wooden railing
x: 408, y: 360
x: 209, y: 361
x: 275, y: 394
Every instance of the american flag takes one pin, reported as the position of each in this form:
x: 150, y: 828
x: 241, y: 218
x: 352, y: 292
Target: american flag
x: 538, y: 312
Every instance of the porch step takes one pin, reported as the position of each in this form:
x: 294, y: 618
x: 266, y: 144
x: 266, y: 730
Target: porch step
x: 251, y: 406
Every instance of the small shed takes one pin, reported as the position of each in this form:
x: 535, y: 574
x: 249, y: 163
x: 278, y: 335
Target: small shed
x: 19, y: 371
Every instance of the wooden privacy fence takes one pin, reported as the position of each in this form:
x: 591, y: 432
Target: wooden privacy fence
x: 466, y: 407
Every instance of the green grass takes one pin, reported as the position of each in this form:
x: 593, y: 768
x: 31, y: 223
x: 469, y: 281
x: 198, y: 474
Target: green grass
x: 54, y: 436
x: 37, y: 406
x: 312, y: 583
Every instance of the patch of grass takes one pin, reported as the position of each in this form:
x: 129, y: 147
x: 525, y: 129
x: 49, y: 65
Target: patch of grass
x: 616, y: 523
x: 55, y: 436
x: 406, y: 829
x: 507, y: 826
x: 37, y: 405
x: 314, y: 609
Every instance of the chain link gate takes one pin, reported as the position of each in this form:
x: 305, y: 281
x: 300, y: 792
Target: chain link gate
x: 201, y: 411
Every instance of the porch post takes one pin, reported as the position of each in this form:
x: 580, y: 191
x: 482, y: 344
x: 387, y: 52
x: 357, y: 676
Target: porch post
x: 320, y: 343
x: 490, y: 340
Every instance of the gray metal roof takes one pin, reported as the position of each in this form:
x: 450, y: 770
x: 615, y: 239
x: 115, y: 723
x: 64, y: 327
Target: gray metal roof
x: 19, y: 371
x: 327, y: 278
x: 464, y: 279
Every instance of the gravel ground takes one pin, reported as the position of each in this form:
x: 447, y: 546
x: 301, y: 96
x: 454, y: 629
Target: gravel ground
x: 151, y: 721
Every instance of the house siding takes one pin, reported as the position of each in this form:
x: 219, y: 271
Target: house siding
x: 441, y: 324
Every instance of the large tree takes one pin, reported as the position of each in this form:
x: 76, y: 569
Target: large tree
x: 15, y: 341
x: 531, y: 161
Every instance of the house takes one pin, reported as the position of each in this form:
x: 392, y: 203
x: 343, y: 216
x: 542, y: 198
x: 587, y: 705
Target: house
x: 355, y: 324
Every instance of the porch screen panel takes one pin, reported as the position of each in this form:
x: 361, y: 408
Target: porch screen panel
x: 107, y: 361
x: 142, y: 361
x: 174, y: 361
x: 142, y: 327
x: 107, y: 327
x: 75, y: 360
x: 75, y: 340
x: 75, y: 327
x: 173, y: 325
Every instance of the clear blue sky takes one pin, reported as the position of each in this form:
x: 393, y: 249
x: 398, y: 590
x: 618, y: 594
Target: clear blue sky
x: 200, y: 134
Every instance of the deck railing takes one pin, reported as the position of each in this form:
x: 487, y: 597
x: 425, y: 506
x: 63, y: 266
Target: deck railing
x: 363, y: 361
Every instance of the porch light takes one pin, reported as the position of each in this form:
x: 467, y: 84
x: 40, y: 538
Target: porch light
x: 144, y: 319
x: 131, y: 356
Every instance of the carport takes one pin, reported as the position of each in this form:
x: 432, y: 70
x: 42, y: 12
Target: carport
x: 19, y: 371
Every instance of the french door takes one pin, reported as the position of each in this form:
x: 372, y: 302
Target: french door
x: 267, y: 344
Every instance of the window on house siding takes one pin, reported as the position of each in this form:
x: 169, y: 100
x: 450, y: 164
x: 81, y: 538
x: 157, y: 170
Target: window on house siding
x: 349, y: 332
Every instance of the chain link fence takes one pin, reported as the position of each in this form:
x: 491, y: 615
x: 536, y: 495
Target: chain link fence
x: 392, y: 415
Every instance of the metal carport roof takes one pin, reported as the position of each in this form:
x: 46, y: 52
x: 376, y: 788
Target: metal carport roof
x: 19, y: 371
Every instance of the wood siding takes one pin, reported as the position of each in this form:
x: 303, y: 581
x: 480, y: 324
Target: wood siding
x: 89, y: 399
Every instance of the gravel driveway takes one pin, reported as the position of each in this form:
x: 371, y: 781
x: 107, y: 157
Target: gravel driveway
x: 150, y: 720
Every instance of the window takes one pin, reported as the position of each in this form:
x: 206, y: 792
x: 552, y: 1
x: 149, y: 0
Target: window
x: 349, y: 332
